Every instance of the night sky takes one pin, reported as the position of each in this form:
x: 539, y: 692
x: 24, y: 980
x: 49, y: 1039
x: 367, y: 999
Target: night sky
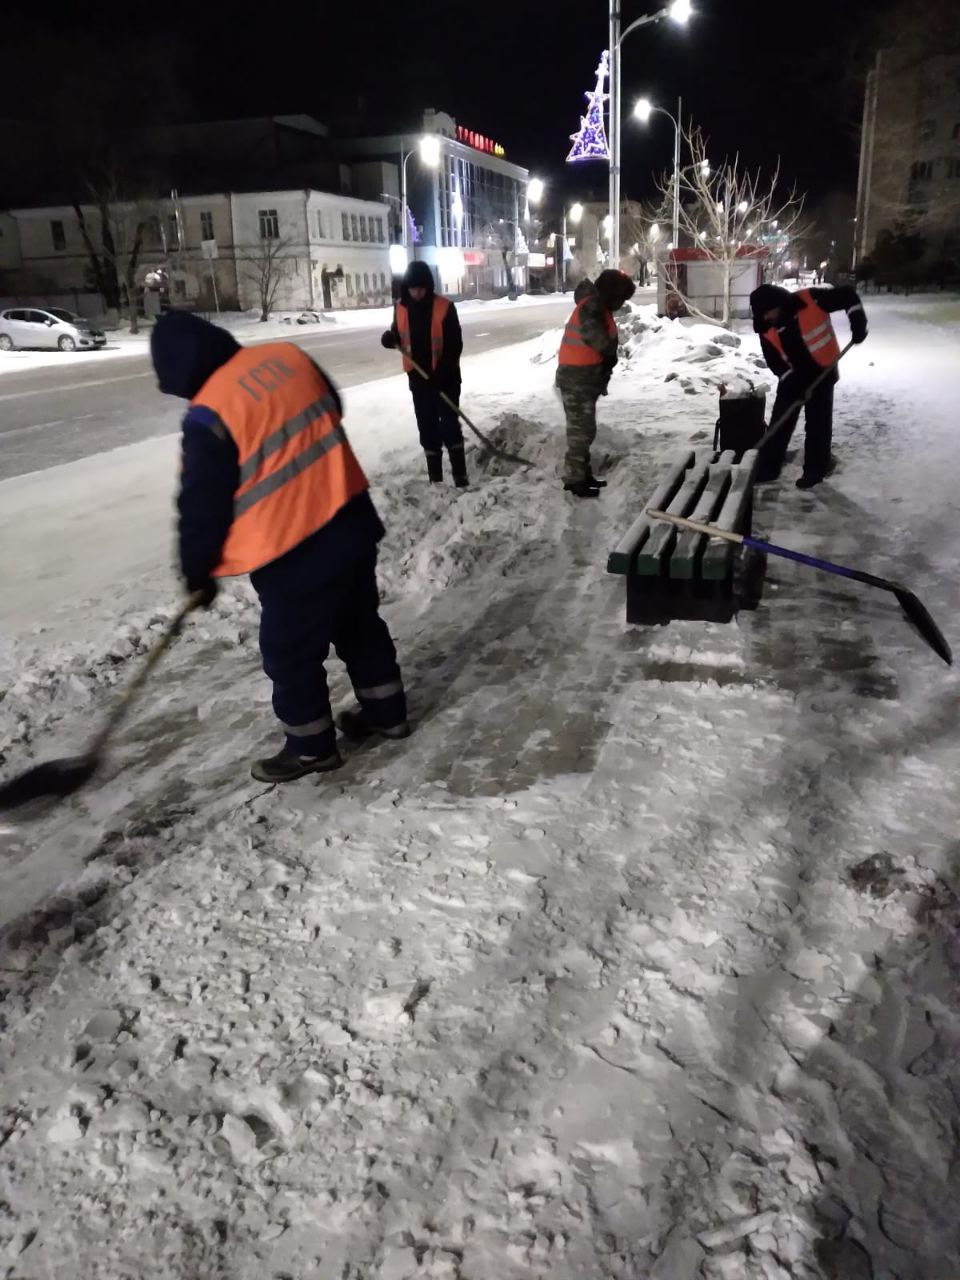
x: 761, y: 78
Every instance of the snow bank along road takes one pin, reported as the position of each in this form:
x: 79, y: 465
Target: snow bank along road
x: 639, y: 959
x: 66, y: 411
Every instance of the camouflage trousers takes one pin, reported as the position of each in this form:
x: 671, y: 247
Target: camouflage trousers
x: 580, y: 407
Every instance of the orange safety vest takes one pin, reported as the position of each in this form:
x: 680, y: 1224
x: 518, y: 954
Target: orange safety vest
x: 297, y: 469
x: 440, y: 308
x: 816, y: 329
x: 573, y: 349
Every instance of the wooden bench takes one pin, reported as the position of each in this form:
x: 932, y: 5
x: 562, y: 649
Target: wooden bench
x: 673, y: 573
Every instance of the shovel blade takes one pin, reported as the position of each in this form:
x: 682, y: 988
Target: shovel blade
x: 918, y: 616
x: 54, y: 778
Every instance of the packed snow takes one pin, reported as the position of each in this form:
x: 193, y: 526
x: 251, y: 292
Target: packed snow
x: 639, y: 958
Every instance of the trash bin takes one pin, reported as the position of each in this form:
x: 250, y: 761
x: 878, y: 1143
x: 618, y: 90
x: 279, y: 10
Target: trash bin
x: 742, y: 420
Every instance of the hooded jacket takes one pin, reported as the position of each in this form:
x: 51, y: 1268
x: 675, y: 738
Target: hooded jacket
x: 186, y: 351
x: 599, y: 300
x: 447, y: 374
x: 799, y: 363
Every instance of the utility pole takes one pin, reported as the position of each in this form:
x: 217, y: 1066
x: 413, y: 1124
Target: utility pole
x: 613, y: 133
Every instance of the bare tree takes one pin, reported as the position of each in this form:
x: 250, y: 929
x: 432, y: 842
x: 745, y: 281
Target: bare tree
x: 266, y: 265
x: 642, y: 233
x: 725, y: 211
x: 114, y: 238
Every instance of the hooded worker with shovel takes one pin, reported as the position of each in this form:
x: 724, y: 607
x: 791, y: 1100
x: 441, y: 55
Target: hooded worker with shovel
x: 426, y: 329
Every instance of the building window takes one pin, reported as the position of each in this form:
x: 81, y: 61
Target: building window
x: 953, y: 168
x: 378, y: 224
x: 173, y: 230
x: 357, y: 278
x: 269, y: 224
x: 349, y: 280
x: 59, y: 237
x: 363, y: 227
x: 921, y: 171
x: 366, y: 282
x: 345, y: 223
x: 323, y: 226
x: 927, y: 130
x: 383, y: 280
x: 354, y: 229
x: 206, y: 224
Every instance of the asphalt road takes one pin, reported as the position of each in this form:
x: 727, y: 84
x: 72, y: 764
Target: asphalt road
x: 49, y: 416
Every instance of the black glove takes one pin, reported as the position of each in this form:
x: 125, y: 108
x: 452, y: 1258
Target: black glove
x: 858, y: 330
x: 388, y: 340
x: 206, y: 588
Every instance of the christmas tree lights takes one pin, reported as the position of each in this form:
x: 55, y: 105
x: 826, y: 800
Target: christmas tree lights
x: 591, y: 142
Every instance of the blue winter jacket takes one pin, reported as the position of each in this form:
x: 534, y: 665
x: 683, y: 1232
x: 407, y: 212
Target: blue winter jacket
x: 186, y: 351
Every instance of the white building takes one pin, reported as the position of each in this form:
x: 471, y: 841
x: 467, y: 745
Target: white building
x: 322, y: 250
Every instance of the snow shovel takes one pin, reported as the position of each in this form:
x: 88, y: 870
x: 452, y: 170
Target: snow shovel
x: 60, y: 778
x: 914, y: 609
x: 774, y: 427
x: 485, y: 440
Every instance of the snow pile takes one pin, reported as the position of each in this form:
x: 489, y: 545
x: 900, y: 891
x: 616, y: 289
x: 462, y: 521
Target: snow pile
x: 637, y: 959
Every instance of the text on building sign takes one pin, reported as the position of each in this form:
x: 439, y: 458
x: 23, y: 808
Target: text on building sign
x: 478, y: 141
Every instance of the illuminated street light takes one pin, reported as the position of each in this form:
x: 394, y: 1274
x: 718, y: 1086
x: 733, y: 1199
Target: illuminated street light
x: 680, y: 12
x: 576, y: 212
x: 655, y: 231
x: 535, y: 190
x: 643, y: 110
x: 742, y: 207
x: 429, y: 148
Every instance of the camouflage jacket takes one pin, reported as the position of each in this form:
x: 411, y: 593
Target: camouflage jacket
x: 593, y: 330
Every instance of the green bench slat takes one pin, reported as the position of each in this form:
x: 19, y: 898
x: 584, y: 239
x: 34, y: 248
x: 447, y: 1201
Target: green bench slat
x: 621, y: 557
x: 662, y: 539
x: 718, y: 556
x: 690, y: 545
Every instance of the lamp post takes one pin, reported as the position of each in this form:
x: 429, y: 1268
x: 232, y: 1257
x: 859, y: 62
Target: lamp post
x: 643, y: 111
x: 576, y: 213
x: 677, y: 11
x: 429, y: 148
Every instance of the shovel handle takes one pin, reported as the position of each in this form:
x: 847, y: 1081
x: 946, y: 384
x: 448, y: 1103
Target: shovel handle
x: 125, y: 701
x: 695, y: 526
x: 797, y: 404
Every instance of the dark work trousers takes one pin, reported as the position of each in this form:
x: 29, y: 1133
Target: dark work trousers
x: 818, y: 426
x: 437, y: 423
x: 296, y: 632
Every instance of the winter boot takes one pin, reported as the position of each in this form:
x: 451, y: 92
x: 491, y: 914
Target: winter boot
x: 458, y: 465
x: 581, y: 488
x: 811, y: 478
x: 355, y: 726
x: 286, y: 766
x: 434, y: 467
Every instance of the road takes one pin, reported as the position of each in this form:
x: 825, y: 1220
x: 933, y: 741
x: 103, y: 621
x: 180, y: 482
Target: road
x: 51, y: 415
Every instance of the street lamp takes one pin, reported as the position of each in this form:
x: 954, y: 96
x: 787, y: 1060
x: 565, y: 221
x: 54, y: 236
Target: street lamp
x: 534, y: 191
x: 429, y: 148
x: 742, y: 207
x: 643, y: 110
x: 678, y: 12
x: 575, y: 213
x: 654, y: 231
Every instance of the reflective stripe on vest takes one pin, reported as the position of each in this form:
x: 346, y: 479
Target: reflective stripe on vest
x: 573, y: 349
x: 437, y: 316
x: 297, y: 469
x: 816, y: 329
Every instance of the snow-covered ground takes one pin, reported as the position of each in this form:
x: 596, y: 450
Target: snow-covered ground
x: 639, y: 959
x: 247, y: 327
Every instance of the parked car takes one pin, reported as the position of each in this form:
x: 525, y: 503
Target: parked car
x: 51, y: 328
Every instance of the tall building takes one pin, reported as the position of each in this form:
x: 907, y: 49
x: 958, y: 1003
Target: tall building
x: 910, y: 150
x: 469, y: 217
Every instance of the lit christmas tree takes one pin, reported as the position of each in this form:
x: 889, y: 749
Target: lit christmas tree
x: 591, y: 142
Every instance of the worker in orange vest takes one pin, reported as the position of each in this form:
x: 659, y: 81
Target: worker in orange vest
x: 426, y: 328
x: 271, y: 488
x: 588, y: 354
x: 798, y: 342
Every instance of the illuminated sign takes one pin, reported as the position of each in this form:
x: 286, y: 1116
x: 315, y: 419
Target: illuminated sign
x: 479, y: 142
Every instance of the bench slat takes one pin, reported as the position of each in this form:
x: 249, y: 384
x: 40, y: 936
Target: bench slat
x: 691, y: 546
x: 718, y: 556
x: 621, y: 557
x: 661, y: 540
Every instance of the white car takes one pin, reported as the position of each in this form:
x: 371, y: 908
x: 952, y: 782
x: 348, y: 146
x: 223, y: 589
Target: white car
x: 50, y: 328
